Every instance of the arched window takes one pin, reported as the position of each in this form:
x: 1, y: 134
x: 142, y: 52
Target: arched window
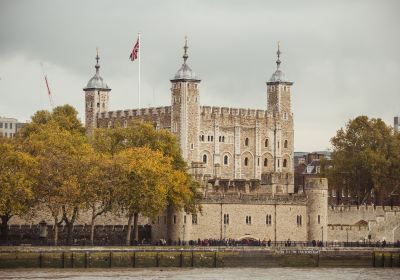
x: 284, y: 162
x: 226, y: 160
x: 205, y: 158
x: 246, y: 161
x: 223, y: 138
x: 266, y: 143
x: 246, y: 141
x: 265, y: 162
x: 285, y: 144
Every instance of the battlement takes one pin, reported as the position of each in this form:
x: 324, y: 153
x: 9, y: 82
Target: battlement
x: 347, y: 227
x: 363, y: 208
x: 253, y: 198
x: 232, y: 112
x: 130, y: 113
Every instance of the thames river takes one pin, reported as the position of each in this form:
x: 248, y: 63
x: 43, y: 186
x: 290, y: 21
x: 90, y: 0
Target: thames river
x: 206, y: 273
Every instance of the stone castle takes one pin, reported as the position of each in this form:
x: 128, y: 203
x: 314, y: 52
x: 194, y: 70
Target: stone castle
x: 244, y: 157
x: 244, y: 160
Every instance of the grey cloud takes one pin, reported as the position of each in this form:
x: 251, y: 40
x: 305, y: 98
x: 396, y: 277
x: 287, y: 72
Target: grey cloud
x: 342, y: 55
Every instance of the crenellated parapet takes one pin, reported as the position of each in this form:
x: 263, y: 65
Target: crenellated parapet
x: 211, y: 111
x: 253, y: 198
x: 152, y: 111
x: 363, y: 208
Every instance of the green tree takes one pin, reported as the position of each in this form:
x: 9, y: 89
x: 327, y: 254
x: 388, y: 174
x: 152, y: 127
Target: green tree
x: 18, y: 172
x: 365, y: 159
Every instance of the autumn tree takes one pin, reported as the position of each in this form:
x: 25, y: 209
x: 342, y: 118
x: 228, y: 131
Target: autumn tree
x: 365, y: 159
x: 18, y: 172
x: 182, y: 192
x: 143, y: 185
x: 99, y: 192
x: 65, y: 159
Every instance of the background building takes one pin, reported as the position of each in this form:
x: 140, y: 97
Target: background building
x: 8, y: 127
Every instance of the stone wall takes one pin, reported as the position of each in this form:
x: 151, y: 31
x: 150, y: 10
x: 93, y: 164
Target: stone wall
x: 364, y: 222
x: 237, y: 217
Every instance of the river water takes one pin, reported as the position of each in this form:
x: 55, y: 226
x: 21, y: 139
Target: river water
x: 207, y: 273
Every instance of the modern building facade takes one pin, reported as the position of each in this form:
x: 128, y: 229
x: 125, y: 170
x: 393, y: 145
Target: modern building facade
x: 8, y: 127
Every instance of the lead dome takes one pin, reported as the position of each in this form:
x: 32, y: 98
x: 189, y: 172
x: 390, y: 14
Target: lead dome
x: 97, y: 82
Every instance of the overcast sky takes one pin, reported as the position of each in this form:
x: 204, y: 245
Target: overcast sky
x: 343, y: 56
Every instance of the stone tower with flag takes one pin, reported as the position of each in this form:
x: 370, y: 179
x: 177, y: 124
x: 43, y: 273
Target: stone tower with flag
x: 226, y: 143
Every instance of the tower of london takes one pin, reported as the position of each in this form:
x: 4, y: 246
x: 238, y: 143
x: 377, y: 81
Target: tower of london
x: 243, y: 159
x: 229, y: 143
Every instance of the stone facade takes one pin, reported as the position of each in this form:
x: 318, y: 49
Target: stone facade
x: 232, y: 143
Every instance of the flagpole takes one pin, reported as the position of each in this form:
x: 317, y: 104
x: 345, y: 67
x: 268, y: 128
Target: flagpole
x: 140, y: 56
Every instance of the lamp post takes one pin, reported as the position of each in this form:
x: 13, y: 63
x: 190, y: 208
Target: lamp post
x: 322, y: 231
x: 183, y: 234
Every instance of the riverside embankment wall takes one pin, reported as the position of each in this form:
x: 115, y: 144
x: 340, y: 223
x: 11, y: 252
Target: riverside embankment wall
x: 108, y: 258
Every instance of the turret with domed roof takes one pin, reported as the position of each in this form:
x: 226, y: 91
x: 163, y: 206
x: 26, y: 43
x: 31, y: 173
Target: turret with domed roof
x: 96, y: 98
x: 185, y: 105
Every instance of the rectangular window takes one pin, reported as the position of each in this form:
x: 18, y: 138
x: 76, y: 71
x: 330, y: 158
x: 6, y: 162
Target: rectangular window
x: 158, y: 220
x: 5, y: 125
x: 165, y: 220
x: 268, y: 220
x: 184, y: 219
x: 319, y: 219
x: 299, y: 220
x: 1, y: 125
x: 174, y: 219
x: 11, y: 125
x: 248, y: 220
x: 226, y: 219
x: 194, y: 219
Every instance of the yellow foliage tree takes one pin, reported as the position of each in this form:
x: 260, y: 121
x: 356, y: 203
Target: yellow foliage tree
x: 145, y: 178
x: 18, y: 171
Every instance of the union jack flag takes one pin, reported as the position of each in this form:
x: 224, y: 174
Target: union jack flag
x: 135, y: 51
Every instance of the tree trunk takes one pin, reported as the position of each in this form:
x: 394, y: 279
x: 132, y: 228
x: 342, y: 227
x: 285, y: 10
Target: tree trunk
x: 135, y: 227
x: 4, y: 228
x: 92, y: 231
x: 70, y: 224
x: 128, y: 234
x: 69, y: 233
x: 55, y: 231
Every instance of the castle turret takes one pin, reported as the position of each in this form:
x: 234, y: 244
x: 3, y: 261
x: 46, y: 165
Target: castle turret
x: 316, y: 190
x: 96, y: 98
x: 185, y: 103
x: 279, y: 105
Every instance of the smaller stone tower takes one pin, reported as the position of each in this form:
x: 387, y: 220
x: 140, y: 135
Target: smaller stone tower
x: 185, y: 104
x: 316, y: 190
x: 279, y: 105
x: 96, y: 98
